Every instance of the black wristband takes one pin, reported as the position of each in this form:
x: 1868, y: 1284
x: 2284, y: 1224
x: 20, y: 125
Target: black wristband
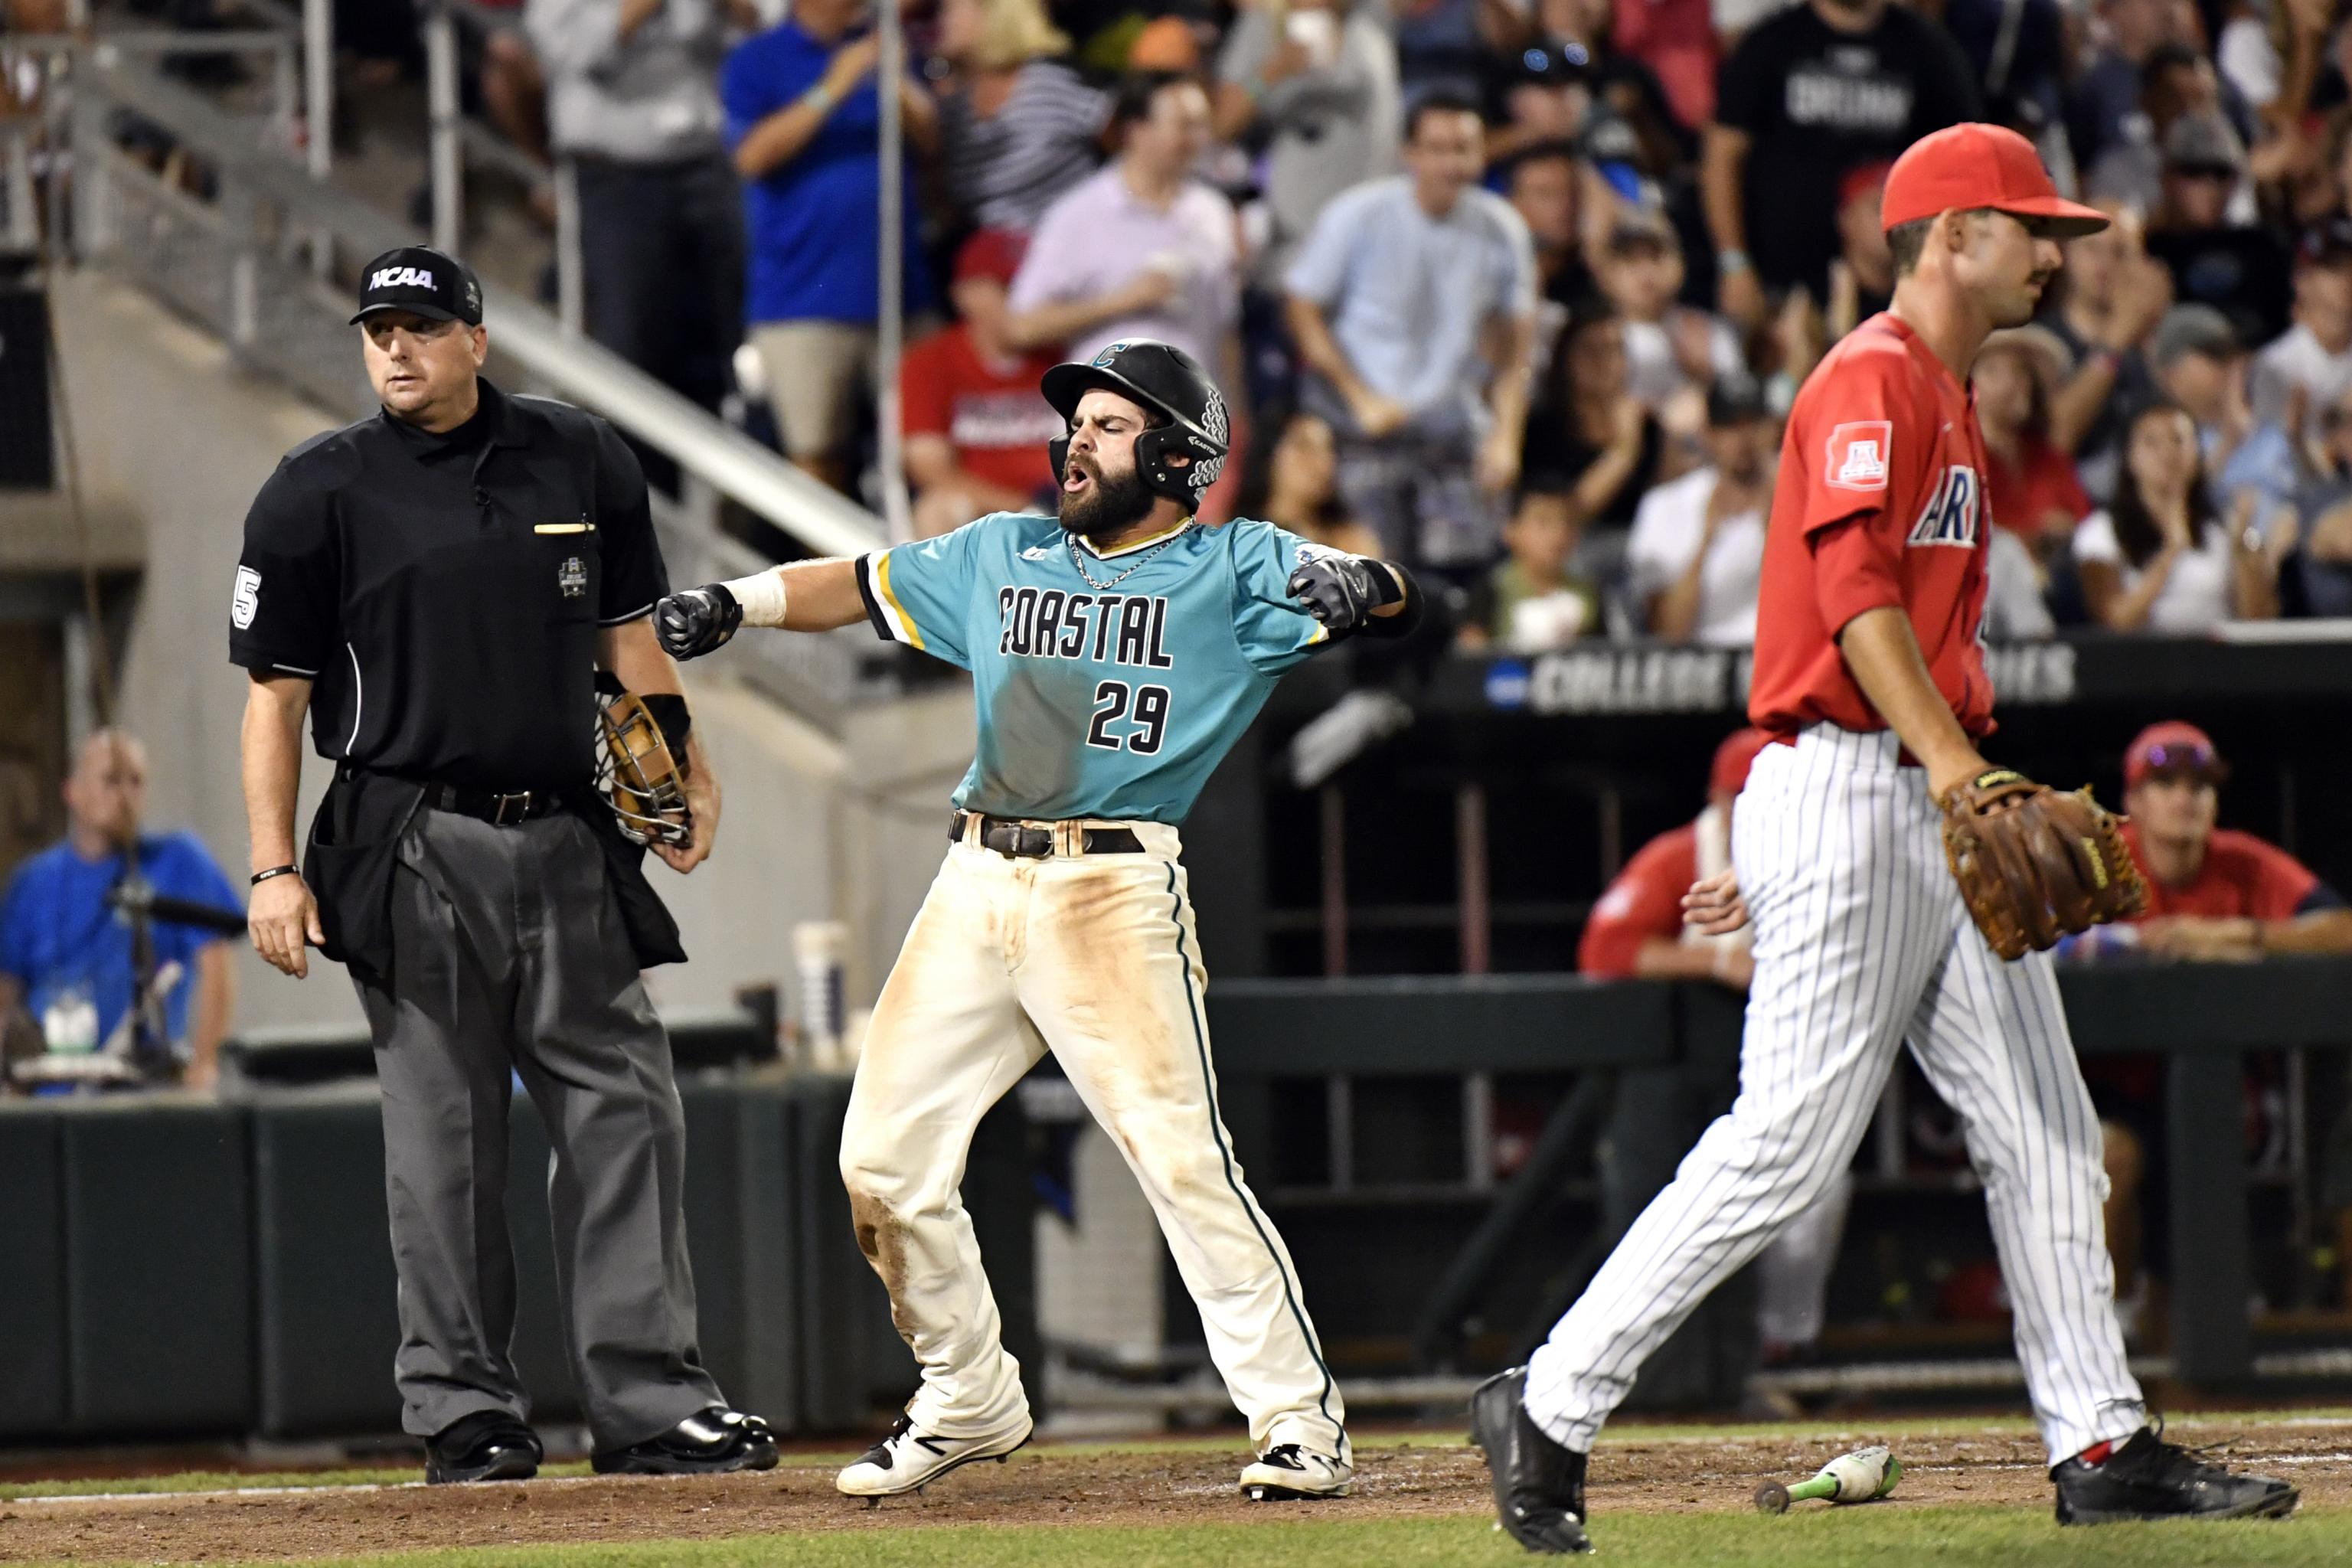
x: 261, y: 877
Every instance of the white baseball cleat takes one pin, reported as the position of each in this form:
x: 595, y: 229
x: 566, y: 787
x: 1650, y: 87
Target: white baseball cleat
x: 907, y: 1461
x: 1289, y: 1473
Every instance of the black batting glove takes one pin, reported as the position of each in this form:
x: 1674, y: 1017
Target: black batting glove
x: 697, y: 621
x: 1339, y: 590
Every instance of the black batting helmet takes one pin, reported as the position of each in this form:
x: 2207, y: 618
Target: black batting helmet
x: 1169, y: 384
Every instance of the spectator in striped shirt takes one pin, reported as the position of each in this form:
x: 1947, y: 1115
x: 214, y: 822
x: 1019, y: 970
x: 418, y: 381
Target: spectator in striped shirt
x: 1018, y: 127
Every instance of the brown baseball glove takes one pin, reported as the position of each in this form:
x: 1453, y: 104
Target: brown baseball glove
x: 2034, y: 864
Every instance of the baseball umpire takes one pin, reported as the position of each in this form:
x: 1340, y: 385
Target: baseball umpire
x: 439, y: 586
x: 1117, y: 652
x: 1869, y: 934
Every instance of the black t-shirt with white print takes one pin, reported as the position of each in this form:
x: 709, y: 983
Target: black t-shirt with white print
x: 1817, y: 104
x: 444, y: 592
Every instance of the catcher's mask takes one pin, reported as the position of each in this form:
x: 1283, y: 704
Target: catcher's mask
x: 641, y: 766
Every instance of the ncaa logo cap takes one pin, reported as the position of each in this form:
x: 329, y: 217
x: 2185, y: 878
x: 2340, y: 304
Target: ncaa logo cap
x: 423, y: 281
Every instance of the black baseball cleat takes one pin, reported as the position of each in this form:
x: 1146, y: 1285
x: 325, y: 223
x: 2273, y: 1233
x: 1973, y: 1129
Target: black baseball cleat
x: 2148, y: 1477
x: 488, y: 1445
x: 714, y: 1442
x: 1538, y: 1484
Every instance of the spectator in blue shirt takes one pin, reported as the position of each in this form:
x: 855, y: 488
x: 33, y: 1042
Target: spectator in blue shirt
x: 804, y: 120
x: 65, y: 956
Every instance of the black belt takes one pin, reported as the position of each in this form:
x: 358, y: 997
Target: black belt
x: 1024, y: 841
x: 500, y: 809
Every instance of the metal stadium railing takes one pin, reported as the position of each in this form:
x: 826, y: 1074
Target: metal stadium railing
x: 249, y: 245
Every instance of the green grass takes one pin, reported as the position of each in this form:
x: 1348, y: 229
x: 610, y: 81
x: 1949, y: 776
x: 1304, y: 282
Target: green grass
x: 1972, y: 1537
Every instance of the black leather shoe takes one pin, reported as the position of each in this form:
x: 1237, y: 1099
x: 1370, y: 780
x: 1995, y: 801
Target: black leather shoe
x: 2148, y: 1477
x: 712, y: 1443
x: 489, y: 1445
x: 1538, y: 1485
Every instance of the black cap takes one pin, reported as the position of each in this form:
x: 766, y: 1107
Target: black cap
x: 1735, y: 399
x: 423, y: 281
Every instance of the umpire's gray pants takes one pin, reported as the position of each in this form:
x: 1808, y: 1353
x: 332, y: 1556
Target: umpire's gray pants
x: 509, y: 955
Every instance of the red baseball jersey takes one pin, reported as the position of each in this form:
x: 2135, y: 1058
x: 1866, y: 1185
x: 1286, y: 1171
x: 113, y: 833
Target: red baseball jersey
x: 1880, y: 501
x: 1645, y: 900
x: 2242, y: 878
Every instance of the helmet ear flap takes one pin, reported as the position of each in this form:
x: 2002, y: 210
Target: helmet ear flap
x: 1152, y: 449
x: 1059, y: 450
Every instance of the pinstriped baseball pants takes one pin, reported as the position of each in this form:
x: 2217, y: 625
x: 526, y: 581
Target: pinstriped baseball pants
x: 1096, y: 958
x: 1862, y: 943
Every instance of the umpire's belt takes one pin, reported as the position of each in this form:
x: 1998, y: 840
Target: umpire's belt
x: 500, y: 808
x: 1018, y: 840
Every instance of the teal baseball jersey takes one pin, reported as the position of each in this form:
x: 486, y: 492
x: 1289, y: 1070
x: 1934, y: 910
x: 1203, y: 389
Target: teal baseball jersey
x: 1108, y: 685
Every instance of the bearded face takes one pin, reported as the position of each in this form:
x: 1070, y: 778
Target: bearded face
x: 1097, y: 505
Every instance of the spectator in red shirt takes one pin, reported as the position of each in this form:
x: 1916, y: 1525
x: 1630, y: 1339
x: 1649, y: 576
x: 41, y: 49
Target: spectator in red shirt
x: 2214, y: 894
x: 976, y: 424
x: 1638, y: 930
x: 2030, y: 482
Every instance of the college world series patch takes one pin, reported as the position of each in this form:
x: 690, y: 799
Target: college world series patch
x: 572, y: 577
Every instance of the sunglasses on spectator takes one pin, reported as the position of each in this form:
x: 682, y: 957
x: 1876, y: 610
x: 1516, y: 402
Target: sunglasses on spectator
x: 2198, y: 765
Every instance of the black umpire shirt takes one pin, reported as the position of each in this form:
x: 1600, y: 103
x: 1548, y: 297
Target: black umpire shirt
x: 442, y: 592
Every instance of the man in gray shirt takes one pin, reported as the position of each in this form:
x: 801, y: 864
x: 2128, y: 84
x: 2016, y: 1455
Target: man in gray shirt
x: 1412, y: 303
x: 632, y: 100
x: 2310, y: 366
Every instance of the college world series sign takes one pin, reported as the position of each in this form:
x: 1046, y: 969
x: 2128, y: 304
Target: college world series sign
x: 1608, y: 678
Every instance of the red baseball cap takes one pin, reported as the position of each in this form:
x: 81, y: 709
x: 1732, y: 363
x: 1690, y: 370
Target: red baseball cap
x: 1974, y: 165
x: 2172, y: 746
x: 1733, y: 759
x: 992, y: 253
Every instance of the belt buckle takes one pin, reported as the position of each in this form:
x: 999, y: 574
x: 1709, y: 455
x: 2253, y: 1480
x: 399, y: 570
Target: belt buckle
x: 498, y: 814
x: 1017, y: 840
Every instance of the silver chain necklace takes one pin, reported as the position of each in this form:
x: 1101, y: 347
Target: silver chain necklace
x: 1077, y: 558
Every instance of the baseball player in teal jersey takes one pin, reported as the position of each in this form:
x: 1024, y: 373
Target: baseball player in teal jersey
x: 1117, y: 652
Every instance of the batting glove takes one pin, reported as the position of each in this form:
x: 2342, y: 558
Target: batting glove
x: 1340, y: 591
x: 697, y: 622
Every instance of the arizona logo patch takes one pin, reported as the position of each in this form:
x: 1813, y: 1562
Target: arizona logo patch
x: 1858, y: 455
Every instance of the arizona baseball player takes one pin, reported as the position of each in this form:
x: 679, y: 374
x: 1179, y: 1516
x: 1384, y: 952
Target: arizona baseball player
x: 1869, y: 668
x: 1117, y: 653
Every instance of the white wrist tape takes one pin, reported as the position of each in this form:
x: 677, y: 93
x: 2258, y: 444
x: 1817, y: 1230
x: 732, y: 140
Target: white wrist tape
x: 762, y: 595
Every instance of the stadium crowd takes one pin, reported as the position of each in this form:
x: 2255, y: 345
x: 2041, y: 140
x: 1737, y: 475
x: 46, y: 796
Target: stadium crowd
x: 1517, y: 288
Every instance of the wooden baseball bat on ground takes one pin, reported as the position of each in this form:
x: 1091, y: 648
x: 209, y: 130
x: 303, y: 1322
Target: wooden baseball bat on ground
x: 1864, y: 1476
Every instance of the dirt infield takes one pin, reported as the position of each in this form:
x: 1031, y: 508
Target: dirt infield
x: 1042, y: 1486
